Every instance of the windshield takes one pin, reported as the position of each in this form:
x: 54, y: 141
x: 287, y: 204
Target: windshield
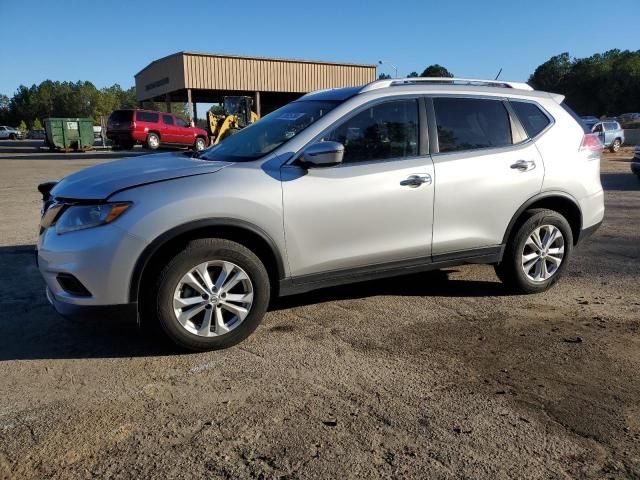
x: 269, y: 132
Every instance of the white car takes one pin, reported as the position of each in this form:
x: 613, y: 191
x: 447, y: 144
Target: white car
x: 10, y: 133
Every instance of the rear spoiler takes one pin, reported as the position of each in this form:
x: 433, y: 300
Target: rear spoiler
x: 557, y: 97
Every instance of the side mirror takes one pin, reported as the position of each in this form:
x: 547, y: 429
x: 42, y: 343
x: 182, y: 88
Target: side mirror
x: 322, y: 154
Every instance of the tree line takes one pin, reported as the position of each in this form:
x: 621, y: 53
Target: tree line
x: 602, y: 84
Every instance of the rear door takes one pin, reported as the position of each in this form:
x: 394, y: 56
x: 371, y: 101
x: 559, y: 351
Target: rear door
x: 485, y: 169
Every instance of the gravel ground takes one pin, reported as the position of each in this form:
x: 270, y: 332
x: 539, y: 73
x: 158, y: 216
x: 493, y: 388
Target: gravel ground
x: 438, y: 375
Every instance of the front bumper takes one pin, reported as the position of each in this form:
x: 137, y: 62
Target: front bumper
x: 126, y: 312
x: 101, y: 259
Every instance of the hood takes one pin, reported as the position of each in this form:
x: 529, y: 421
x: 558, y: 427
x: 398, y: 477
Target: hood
x: 101, y: 181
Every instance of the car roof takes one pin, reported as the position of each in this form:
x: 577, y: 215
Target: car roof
x: 434, y: 85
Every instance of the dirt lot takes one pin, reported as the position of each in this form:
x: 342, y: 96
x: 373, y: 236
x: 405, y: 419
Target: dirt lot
x: 439, y: 375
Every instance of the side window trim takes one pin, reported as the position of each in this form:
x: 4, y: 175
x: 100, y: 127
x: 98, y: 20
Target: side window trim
x: 552, y: 120
x: 518, y: 133
x: 358, y: 110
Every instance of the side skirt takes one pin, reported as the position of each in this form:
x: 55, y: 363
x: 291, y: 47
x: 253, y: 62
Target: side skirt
x: 307, y: 283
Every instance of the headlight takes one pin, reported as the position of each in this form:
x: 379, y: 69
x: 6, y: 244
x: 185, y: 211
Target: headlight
x: 79, y: 217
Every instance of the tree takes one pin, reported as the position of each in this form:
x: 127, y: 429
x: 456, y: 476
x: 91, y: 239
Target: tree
x: 551, y: 73
x: 413, y: 74
x: 602, y: 84
x: 384, y: 76
x: 436, y: 71
x: 36, y: 125
x: 23, y: 126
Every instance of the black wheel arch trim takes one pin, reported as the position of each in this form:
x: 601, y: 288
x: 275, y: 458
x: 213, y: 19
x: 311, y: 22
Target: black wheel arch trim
x: 537, y: 198
x: 164, y: 238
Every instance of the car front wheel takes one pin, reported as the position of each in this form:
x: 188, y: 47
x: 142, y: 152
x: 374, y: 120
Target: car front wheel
x: 200, y: 144
x: 537, y: 252
x: 153, y: 141
x: 212, y: 295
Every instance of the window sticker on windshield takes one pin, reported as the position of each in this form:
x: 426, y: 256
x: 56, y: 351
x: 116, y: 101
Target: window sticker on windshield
x: 290, y: 116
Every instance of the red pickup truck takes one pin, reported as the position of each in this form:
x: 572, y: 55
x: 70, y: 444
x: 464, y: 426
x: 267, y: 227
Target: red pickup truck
x: 126, y: 128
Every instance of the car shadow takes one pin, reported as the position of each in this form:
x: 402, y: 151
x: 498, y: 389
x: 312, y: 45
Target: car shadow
x: 620, y: 182
x: 30, y: 328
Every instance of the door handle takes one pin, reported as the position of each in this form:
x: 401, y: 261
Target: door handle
x: 414, y: 181
x: 524, y: 165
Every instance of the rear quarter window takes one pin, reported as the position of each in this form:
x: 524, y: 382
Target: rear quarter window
x: 532, y: 118
x: 147, y: 117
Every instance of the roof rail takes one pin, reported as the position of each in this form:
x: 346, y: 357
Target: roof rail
x: 393, y: 82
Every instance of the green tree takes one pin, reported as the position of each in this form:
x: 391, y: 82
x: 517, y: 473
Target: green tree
x: 384, y: 76
x: 413, y: 74
x: 602, y: 84
x: 23, y: 126
x: 436, y: 71
x: 36, y: 125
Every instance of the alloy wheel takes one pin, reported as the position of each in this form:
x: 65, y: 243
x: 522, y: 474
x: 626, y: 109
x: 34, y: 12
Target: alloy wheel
x: 542, y: 253
x: 213, y: 298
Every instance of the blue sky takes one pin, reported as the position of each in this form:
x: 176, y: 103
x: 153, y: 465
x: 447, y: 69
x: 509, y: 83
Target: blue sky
x: 107, y: 42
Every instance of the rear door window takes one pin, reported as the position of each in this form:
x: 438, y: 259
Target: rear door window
x: 470, y: 124
x: 533, y: 119
x: 167, y: 119
x: 147, y: 117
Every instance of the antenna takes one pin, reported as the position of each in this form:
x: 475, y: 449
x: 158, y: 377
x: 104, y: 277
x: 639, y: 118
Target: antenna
x: 498, y: 75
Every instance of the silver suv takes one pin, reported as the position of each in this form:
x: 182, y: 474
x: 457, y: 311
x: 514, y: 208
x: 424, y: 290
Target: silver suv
x: 340, y: 186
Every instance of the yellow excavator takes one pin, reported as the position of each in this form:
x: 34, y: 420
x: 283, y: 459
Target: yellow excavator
x: 237, y: 114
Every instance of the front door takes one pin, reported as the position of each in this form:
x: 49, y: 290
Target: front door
x: 374, y: 208
x: 168, y: 134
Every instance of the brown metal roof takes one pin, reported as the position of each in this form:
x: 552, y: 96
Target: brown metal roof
x: 202, y: 71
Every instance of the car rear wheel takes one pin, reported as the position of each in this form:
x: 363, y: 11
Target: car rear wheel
x: 212, y: 295
x: 537, y: 252
x: 153, y: 141
x: 615, y: 146
x: 200, y: 144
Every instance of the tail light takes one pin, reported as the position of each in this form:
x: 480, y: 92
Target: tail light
x: 591, y: 143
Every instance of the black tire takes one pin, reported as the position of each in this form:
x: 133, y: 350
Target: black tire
x: 615, y: 146
x: 196, y: 252
x: 510, y: 270
x: 153, y: 141
x: 12, y: 136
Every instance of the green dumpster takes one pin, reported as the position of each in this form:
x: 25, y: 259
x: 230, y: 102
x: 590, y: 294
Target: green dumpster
x: 67, y: 134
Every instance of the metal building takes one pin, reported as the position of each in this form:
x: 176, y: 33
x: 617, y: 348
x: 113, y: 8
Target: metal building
x: 206, y: 78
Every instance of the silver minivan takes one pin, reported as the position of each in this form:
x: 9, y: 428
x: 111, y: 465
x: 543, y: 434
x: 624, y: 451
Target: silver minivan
x: 340, y: 186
